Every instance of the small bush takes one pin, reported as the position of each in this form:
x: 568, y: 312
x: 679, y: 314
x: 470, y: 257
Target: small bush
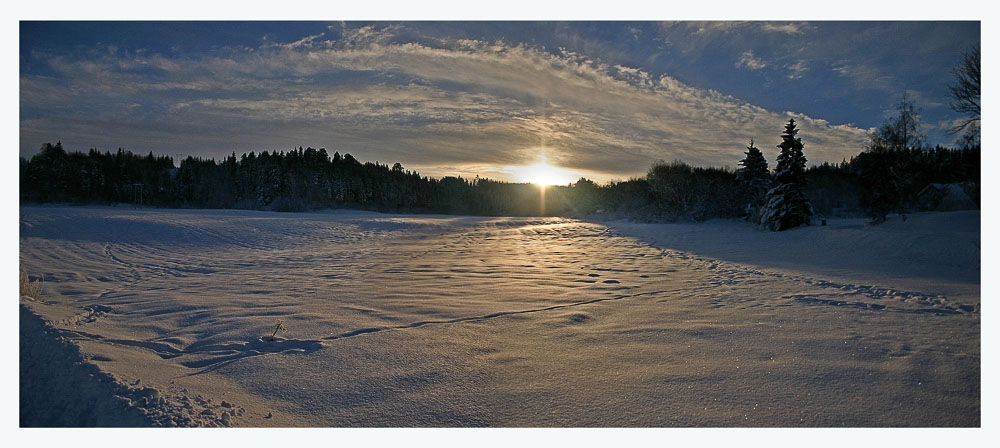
x: 32, y: 289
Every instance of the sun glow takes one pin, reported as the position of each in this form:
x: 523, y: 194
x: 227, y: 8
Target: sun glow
x: 543, y: 174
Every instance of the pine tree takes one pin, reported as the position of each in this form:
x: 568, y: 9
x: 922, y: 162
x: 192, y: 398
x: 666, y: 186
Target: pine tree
x: 755, y: 179
x: 786, y: 205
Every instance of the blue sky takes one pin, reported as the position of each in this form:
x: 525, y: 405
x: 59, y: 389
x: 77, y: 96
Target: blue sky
x: 602, y: 99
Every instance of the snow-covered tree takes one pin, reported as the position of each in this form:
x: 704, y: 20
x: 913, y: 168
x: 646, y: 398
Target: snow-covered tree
x: 786, y: 205
x: 755, y: 178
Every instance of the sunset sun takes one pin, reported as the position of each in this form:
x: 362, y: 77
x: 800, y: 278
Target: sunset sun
x: 543, y: 174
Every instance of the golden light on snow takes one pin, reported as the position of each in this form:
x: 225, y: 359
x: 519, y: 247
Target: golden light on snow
x: 543, y: 174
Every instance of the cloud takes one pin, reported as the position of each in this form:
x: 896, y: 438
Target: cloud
x: 866, y: 76
x: 944, y: 125
x: 726, y: 27
x: 715, y: 27
x: 797, y: 70
x: 787, y: 27
x: 748, y: 61
x: 923, y: 101
x: 453, y: 104
x: 635, y: 32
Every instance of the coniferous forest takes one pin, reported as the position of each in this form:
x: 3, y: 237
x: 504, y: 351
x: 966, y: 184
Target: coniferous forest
x: 878, y: 181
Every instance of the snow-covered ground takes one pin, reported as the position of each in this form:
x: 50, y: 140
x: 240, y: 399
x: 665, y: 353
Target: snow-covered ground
x: 406, y: 320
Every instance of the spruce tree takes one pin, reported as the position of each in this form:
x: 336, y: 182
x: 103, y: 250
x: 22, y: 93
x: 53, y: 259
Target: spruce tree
x: 755, y: 179
x: 786, y: 205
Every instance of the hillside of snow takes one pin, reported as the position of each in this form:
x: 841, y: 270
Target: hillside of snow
x: 164, y: 318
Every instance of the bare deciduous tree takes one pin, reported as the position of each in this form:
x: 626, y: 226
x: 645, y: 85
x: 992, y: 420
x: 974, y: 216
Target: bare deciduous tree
x: 899, y: 132
x: 965, y: 92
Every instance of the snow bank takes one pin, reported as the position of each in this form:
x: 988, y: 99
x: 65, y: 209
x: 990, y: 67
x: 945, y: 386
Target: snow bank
x: 59, y: 388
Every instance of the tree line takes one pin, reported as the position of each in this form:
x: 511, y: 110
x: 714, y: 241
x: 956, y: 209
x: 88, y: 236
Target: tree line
x: 876, y: 182
x: 296, y: 180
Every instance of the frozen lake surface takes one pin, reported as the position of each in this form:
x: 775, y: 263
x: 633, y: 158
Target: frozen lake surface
x: 413, y: 320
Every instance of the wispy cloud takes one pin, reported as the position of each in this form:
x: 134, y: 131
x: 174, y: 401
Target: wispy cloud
x: 715, y: 27
x: 797, y: 70
x: 725, y: 27
x: 458, y: 103
x: 923, y: 101
x: 786, y: 27
x: 748, y: 61
x: 866, y: 76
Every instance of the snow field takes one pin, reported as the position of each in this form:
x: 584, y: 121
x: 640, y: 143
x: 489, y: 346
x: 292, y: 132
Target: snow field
x: 464, y: 321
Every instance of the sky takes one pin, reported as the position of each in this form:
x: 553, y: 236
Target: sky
x: 599, y: 99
